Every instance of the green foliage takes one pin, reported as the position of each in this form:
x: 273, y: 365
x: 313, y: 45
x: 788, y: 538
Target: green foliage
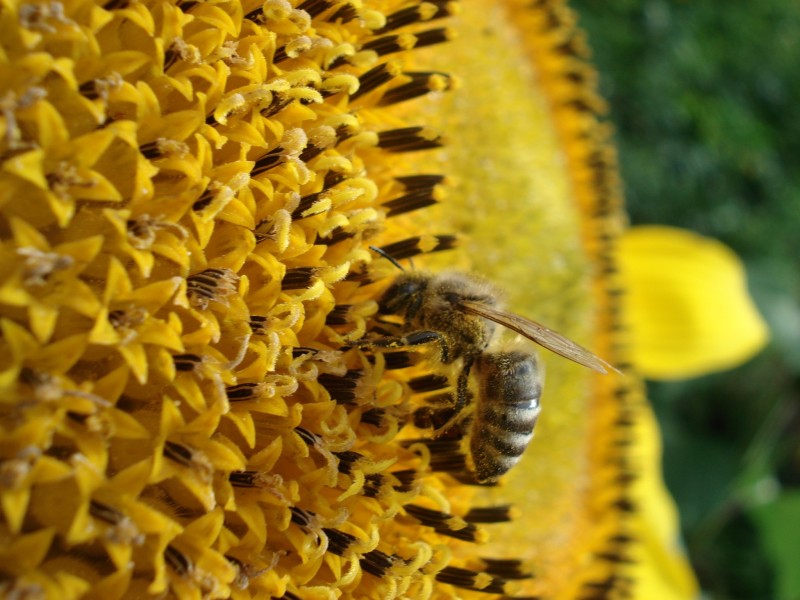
x: 779, y: 523
x: 704, y: 97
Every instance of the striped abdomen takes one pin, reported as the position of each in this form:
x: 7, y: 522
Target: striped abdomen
x: 510, y: 385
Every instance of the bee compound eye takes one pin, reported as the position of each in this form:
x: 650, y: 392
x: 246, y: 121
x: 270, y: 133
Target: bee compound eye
x: 398, y: 297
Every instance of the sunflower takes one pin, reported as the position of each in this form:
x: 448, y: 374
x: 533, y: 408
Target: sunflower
x: 197, y: 204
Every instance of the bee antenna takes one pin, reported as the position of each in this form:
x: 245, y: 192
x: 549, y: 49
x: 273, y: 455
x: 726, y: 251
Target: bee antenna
x: 387, y: 256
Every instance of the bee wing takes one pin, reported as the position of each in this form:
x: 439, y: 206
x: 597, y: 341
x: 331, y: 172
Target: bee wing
x: 536, y: 332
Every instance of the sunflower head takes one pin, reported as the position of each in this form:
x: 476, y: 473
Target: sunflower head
x: 208, y: 391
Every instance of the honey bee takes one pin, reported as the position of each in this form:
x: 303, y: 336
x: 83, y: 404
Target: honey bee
x: 460, y: 312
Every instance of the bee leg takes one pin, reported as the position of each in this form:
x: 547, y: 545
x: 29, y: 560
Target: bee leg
x: 416, y: 338
x: 463, y: 399
x: 430, y: 417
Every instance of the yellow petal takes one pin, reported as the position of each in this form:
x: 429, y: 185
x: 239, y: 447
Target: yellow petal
x: 687, y: 304
x: 661, y: 568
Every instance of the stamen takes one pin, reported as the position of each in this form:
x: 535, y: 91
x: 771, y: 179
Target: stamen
x: 338, y: 234
x: 347, y: 459
x: 409, y: 139
x: 311, y: 205
x: 419, y: 245
x: 445, y: 455
x: 430, y: 37
x: 104, y: 512
x: 415, y: 182
x: 374, y: 416
x: 471, y: 580
x: 389, y: 44
x: 259, y: 325
x: 339, y: 315
x: 345, y: 14
x: 211, y: 285
x: 299, y: 278
x: 244, y: 479
x: 372, y: 485
x: 179, y: 562
x: 267, y: 161
x: 244, y: 391
x: 278, y: 102
x: 376, y: 77
x: 303, y: 518
x: 419, y: 198
x: 204, y: 200
x: 186, y: 362
x: 178, y: 452
x: 342, y: 389
x: 443, y: 523
x: 506, y: 568
x: 407, y: 478
x: 419, y: 85
x: 316, y: 7
x: 426, y: 11
x: 339, y: 542
x: 377, y: 563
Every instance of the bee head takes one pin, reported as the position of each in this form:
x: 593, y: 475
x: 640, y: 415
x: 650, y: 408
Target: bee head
x: 404, y: 296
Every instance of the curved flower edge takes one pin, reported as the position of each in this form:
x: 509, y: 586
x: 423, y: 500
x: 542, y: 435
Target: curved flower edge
x: 626, y: 434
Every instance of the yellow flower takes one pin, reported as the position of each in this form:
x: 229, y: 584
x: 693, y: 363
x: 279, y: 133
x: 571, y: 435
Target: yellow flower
x: 189, y: 192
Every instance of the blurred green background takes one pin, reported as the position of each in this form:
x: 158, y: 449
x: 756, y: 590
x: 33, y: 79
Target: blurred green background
x: 705, y: 97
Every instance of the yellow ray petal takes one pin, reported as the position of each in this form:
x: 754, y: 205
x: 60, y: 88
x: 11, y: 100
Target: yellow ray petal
x: 687, y: 304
